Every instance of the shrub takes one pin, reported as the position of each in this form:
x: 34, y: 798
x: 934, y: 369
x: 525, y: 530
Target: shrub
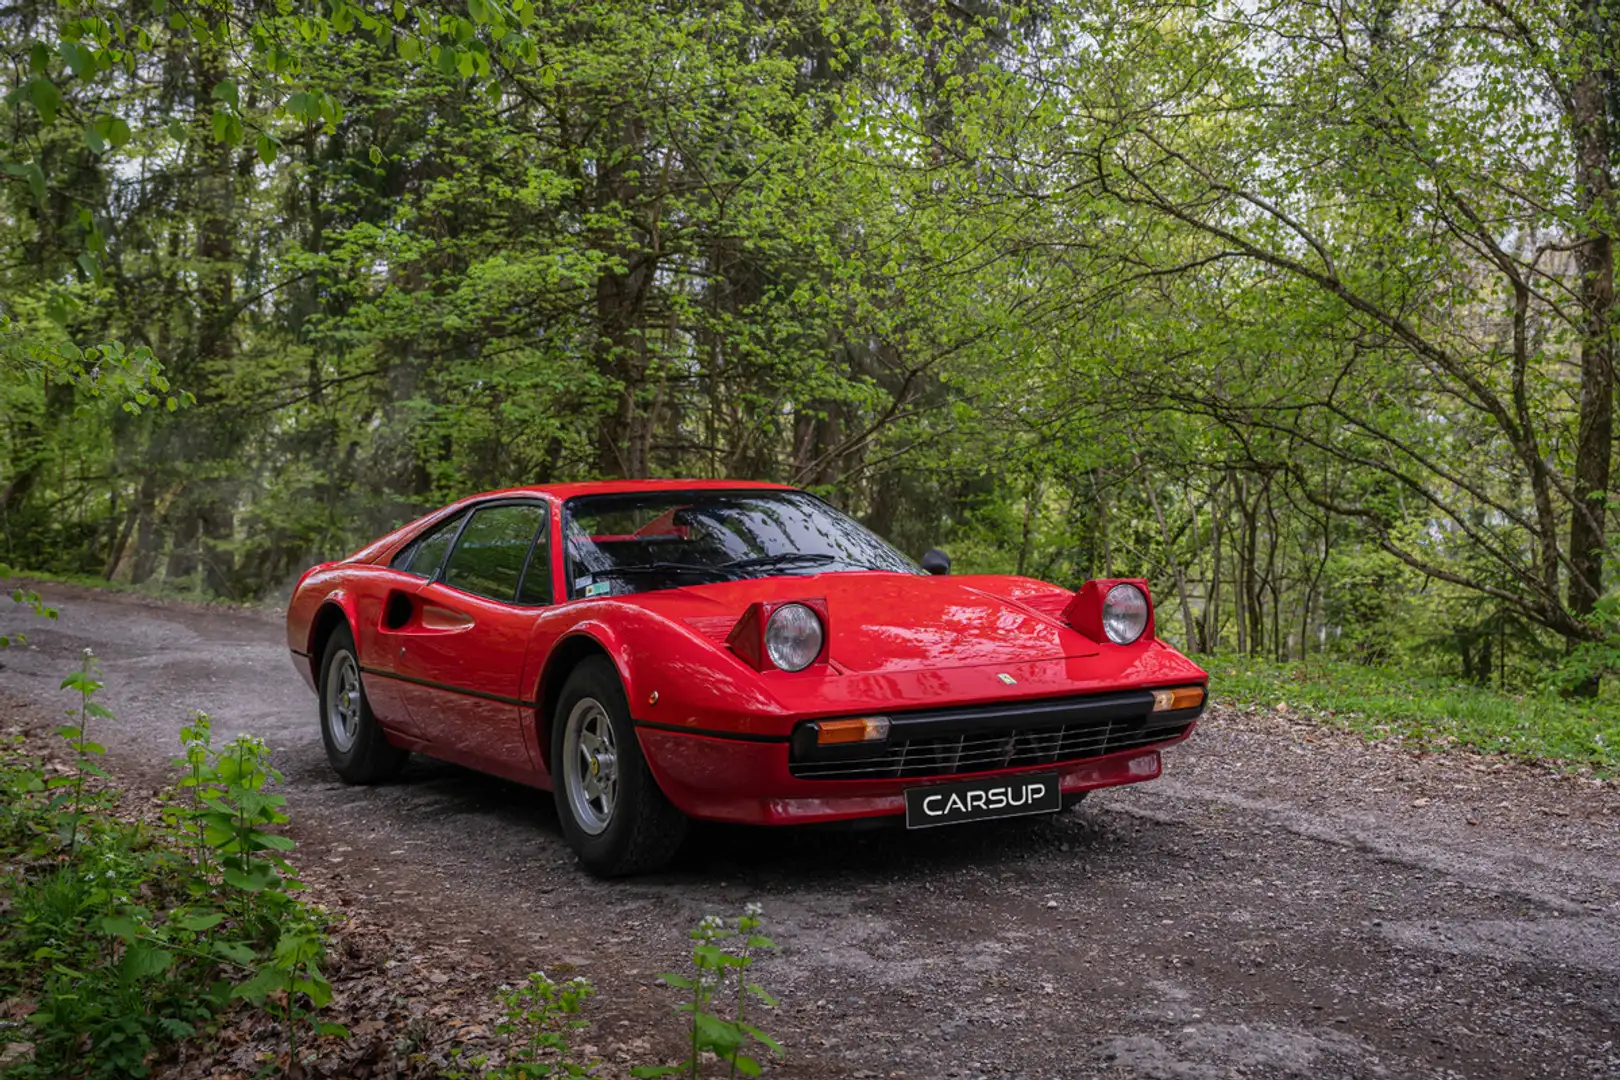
x: 128, y: 937
x: 722, y: 956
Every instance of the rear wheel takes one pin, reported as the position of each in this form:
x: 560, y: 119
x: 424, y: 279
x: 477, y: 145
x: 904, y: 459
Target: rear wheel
x: 355, y: 744
x: 612, y: 812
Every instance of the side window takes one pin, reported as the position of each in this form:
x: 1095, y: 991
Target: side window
x: 423, y: 555
x: 489, y: 557
x: 536, y: 587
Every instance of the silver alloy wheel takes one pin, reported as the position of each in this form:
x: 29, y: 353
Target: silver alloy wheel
x: 343, y: 702
x: 590, y: 766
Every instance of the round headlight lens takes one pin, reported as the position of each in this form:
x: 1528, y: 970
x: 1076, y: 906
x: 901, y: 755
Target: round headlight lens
x: 793, y: 637
x: 1124, y: 614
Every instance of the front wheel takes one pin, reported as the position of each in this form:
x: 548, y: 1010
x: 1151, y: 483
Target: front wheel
x: 612, y: 812
x: 355, y: 744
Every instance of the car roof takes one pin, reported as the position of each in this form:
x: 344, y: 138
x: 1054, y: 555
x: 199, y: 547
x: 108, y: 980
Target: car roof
x: 622, y: 487
x: 387, y: 545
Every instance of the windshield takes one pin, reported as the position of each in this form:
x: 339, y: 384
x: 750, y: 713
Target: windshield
x: 640, y: 541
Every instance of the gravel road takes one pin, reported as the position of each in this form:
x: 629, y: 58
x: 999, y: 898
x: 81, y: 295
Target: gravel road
x: 1284, y: 902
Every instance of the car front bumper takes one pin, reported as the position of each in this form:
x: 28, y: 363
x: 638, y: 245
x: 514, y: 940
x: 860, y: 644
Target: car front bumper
x: 751, y: 782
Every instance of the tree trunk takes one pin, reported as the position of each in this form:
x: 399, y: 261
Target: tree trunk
x: 183, y: 548
x: 620, y: 354
x: 121, y: 543
x: 204, y: 514
x: 1249, y: 569
x: 617, y: 438
x: 1188, y: 640
x: 1594, y: 257
x: 148, y: 539
x: 1032, y: 494
x: 1102, y: 556
x: 1240, y: 593
x: 1279, y: 644
x: 1210, y: 631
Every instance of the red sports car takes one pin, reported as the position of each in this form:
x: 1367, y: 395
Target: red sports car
x: 654, y: 651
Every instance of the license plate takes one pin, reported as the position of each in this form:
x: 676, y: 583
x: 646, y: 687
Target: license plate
x: 981, y: 800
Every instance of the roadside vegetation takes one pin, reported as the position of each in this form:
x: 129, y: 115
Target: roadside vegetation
x: 125, y: 934
x: 1427, y: 710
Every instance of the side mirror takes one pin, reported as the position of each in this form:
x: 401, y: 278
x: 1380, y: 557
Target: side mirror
x: 936, y: 562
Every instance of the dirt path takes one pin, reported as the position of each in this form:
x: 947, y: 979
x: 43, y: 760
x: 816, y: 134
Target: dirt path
x: 1282, y: 903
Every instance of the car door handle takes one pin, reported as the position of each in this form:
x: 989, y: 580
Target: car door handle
x: 437, y: 618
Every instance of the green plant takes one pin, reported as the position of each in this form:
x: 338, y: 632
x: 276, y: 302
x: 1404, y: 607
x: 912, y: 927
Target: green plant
x: 537, y: 1018
x: 237, y: 814
x: 126, y: 938
x: 108, y: 985
x: 538, y: 1015
x: 22, y: 786
x: 26, y: 598
x: 291, y: 980
x: 85, y: 750
x: 1427, y: 711
x: 722, y: 955
x: 183, y: 812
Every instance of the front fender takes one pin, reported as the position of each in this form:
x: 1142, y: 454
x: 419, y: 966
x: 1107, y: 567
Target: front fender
x: 671, y: 674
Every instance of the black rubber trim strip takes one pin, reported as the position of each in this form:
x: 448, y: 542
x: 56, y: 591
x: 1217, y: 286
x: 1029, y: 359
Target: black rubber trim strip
x: 1170, y: 717
x: 1020, y: 713
x: 301, y: 652
x: 504, y: 700
x: 709, y: 733
x: 1132, y: 707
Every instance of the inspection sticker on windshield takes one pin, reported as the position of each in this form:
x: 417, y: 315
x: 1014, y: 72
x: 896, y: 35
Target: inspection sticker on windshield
x: 600, y: 588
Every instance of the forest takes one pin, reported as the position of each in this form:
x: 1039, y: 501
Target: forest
x: 1303, y: 309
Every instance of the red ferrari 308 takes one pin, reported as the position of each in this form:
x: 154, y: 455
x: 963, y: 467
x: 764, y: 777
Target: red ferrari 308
x: 657, y: 651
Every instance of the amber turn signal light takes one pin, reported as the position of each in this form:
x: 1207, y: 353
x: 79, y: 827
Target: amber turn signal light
x: 1182, y: 697
x: 861, y: 729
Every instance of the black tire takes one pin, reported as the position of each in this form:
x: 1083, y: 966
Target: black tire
x: 359, y: 751
x: 639, y: 831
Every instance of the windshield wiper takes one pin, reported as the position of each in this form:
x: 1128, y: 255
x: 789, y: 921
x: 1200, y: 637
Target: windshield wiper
x: 786, y: 558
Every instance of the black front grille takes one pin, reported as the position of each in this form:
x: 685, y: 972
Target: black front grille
x: 977, y: 739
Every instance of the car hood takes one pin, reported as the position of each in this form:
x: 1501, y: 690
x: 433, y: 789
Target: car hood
x: 886, y: 622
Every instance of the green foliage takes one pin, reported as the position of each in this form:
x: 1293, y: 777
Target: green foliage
x: 106, y: 372
x: 537, y: 1019
x: 539, y: 1015
x: 67, y: 802
x: 1426, y: 711
x: 22, y: 781
x: 1295, y: 311
x: 722, y: 956
x: 128, y: 938
x: 1597, y: 658
x: 29, y: 599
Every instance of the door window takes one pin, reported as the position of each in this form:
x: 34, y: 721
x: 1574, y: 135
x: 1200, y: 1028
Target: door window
x: 489, y: 557
x: 423, y: 555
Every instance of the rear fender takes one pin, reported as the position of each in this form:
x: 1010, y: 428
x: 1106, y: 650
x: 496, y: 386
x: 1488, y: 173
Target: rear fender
x: 310, y: 620
x: 344, y: 601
